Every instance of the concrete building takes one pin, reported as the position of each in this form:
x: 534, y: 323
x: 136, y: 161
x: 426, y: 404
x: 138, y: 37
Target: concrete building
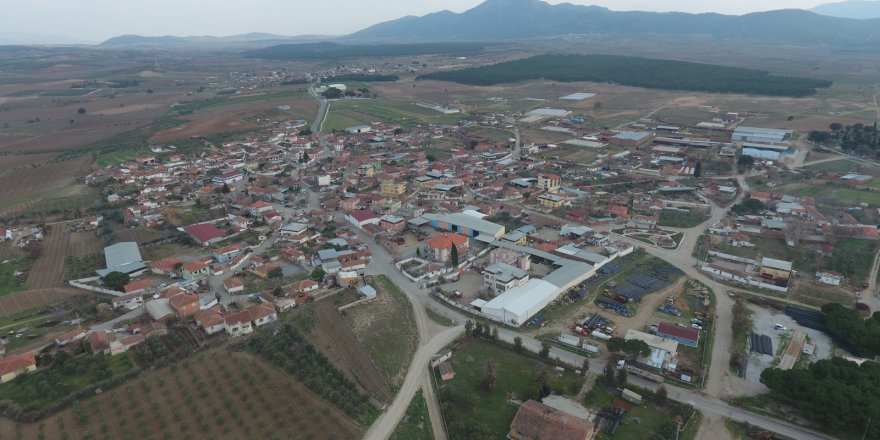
x: 632, y: 138
x: 549, y: 182
x: 465, y: 224
x: 513, y: 258
x: 500, y: 277
x: 551, y: 201
x: 440, y: 246
x: 534, y: 421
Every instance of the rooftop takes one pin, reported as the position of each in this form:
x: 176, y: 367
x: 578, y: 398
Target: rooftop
x: 536, y: 420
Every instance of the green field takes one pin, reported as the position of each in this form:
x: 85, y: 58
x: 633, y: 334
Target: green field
x: 416, y: 423
x: 676, y: 219
x: 656, y: 421
x: 7, y: 278
x: 472, y: 411
x: 835, y: 166
x: 347, y: 113
x: 120, y: 156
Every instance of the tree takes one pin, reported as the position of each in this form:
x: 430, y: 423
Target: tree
x: 226, y: 189
x: 419, y: 252
x: 745, y: 162
x: 494, y: 333
x: 276, y: 273
x: 453, y: 255
x: 81, y: 111
x: 748, y: 206
x: 469, y: 327
x: 332, y: 93
x: 585, y: 367
x: 430, y: 157
x: 305, y: 131
x: 115, y: 280
x: 545, y: 350
x: 615, y: 344
x: 318, y: 274
x: 517, y: 344
x: 305, y: 157
x: 698, y: 169
x: 836, y: 126
x: 660, y: 394
x: 490, y: 377
x: 819, y: 137
x: 621, y: 376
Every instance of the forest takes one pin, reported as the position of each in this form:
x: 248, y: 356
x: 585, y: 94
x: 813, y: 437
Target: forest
x: 837, y: 394
x: 863, y: 335
x: 860, y: 138
x: 637, y: 72
x: 362, y: 77
x: 329, y: 51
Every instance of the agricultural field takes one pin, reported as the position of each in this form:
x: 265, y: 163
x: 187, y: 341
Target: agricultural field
x: 222, y: 394
x: 23, y: 187
x: 475, y: 411
x: 18, y: 302
x: 48, y: 269
x: 387, y: 329
x: 416, y: 423
x: 8, y: 281
x: 348, y: 113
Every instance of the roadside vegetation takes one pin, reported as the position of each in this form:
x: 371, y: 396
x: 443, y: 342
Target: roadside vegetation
x: 676, y: 219
x: 416, y: 423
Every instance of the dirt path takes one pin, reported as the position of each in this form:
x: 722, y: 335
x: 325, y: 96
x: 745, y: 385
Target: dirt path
x: 713, y: 427
x: 869, y: 295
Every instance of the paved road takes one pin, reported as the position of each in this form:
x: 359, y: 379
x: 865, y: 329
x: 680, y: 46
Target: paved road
x: 128, y: 316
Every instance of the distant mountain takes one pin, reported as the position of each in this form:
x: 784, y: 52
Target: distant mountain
x: 499, y: 20
x: 38, y: 39
x: 858, y: 9
x: 171, y: 40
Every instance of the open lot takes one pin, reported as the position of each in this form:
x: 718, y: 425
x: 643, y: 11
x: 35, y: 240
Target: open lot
x: 204, y: 127
x: 387, y: 329
x: 20, y: 301
x: 48, y: 270
x: 642, y: 421
x: 473, y: 411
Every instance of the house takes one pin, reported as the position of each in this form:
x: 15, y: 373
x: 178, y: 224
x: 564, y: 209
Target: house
x: 227, y: 253
x: 99, y: 341
x: 237, y: 324
x: 122, y: 345
x: 535, y: 421
x: 392, y: 224
x: 347, y: 278
x: 204, y: 233
x: 446, y: 371
x: 305, y: 286
x: 684, y: 335
x: 228, y: 177
x: 392, y: 187
x: 620, y: 212
x: 549, y: 182
x: 362, y: 218
x: 233, y: 285
x: 262, y: 314
x: 16, y: 365
x: 128, y: 302
x: 184, y: 305
x: 295, y: 232
x: 210, y: 320
x: 166, y: 266
x: 831, y: 279
x: 440, y: 246
x: 551, y: 201
x: 70, y: 337
x: 195, y: 270
x: 513, y: 258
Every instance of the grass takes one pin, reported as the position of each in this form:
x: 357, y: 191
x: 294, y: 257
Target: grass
x: 835, y: 166
x: 246, y: 236
x: 475, y: 412
x: 676, y: 219
x: 736, y: 430
x: 652, y: 416
x: 416, y: 423
x: 387, y: 329
x: 26, y: 318
x: 7, y: 278
x: 838, y: 194
x: 347, y: 113
x: 64, y: 378
x: 120, y: 156
x: 438, y: 318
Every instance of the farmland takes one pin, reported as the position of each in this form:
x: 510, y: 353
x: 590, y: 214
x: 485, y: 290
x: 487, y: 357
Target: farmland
x: 48, y: 270
x: 475, y: 412
x: 386, y: 329
x: 8, y: 282
x: 23, y: 185
x: 344, y: 114
x: 222, y: 394
x: 14, y: 303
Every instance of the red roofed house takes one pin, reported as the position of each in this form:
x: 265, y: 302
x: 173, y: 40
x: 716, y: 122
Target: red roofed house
x: 239, y: 323
x: 210, y: 320
x: 195, y: 270
x: 362, y: 218
x: 684, y: 335
x: 205, y: 233
x: 100, y: 342
x: 440, y: 246
x: 13, y: 366
x: 617, y: 211
x: 262, y: 314
x: 71, y: 336
x: 166, y: 266
x: 233, y: 285
x: 185, y: 305
x: 139, y: 286
x: 535, y: 421
x: 305, y: 286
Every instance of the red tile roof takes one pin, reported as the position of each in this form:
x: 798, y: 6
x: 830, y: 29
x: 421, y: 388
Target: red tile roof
x: 137, y: 285
x: 204, y: 232
x: 180, y: 301
x: 99, y: 341
x: 446, y: 241
x: 678, y: 331
x: 10, y: 364
x: 536, y: 420
x: 363, y: 215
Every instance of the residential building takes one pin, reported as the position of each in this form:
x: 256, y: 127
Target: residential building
x: 440, y: 246
x: 227, y: 253
x: 210, y: 320
x: 392, y: 224
x: 195, y: 270
x: 550, y: 201
x: 204, y: 233
x: 535, y: 421
x: 361, y: 218
x: 184, y: 305
x: 392, y: 187
x: 228, y: 177
x: 237, y: 324
x: 549, y: 182
x: 513, y: 258
x: 128, y: 302
x: 233, y: 285
x: 70, y: 337
x: 99, y: 341
x: 446, y: 371
x: 263, y: 314
x: 347, y: 278
x: 16, y: 365
x: 296, y: 232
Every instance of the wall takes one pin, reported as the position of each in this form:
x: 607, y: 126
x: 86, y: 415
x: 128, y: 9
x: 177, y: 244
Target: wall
x: 737, y: 278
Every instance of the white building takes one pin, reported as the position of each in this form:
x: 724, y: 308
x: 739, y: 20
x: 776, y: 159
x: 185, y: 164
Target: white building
x: 500, y: 277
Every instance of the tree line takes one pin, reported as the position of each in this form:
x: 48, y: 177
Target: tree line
x: 837, y: 394
x: 327, y: 51
x: 363, y: 77
x: 845, y: 324
x: 637, y: 72
x: 857, y: 137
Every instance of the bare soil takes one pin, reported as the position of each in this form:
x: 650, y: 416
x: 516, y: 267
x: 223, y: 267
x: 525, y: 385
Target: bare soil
x: 204, y: 127
x: 28, y: 299
x: 48, y: 270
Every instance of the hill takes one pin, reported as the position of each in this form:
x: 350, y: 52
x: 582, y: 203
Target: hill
x: 172, y: 40
x: 638, y: 72
x: 858, y: 9
x: 325, y: 50
x: 499, y: 20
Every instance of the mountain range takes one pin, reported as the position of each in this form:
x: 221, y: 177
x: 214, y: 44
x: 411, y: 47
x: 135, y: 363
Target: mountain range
x: 858, y: 9
x: 166, y: 40
x: 501, y: 20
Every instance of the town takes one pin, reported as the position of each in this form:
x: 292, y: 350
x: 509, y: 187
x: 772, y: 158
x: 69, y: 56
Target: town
x: 392, y: 254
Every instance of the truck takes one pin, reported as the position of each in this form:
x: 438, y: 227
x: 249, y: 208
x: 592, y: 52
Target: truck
x: 580, y: 330
x: 590, y: 348
x: 574, y: 341
x: 599, y: 335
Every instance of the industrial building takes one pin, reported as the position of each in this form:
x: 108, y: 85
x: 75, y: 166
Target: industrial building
x: 465, y: 224
x: 632, y: 138
x: 757, y: 134
x: 123, y: 257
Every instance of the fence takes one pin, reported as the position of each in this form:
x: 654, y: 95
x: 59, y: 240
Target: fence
x: 741, y: 279
x: 732, y: 257
x: 79, y: 284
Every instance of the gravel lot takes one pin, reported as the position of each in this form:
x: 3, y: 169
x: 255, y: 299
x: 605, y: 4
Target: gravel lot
x: 764, y: 321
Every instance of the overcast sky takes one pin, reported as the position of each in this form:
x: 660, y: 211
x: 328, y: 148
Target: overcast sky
x: 97, y: 20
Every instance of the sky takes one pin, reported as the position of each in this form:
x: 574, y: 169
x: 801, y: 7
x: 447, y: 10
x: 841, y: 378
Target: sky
x: 97, y: 20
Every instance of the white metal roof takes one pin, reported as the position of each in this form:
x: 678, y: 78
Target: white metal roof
x: 519, y: 300
x: 776, y: 264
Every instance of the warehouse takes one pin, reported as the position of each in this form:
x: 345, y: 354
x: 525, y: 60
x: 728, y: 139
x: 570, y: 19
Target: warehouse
x: 517, y: 305
x: 761, y: 154
x: 632, y: 138
x: 465, y: 224
x: 756, y: 134
x: 123, y: 257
